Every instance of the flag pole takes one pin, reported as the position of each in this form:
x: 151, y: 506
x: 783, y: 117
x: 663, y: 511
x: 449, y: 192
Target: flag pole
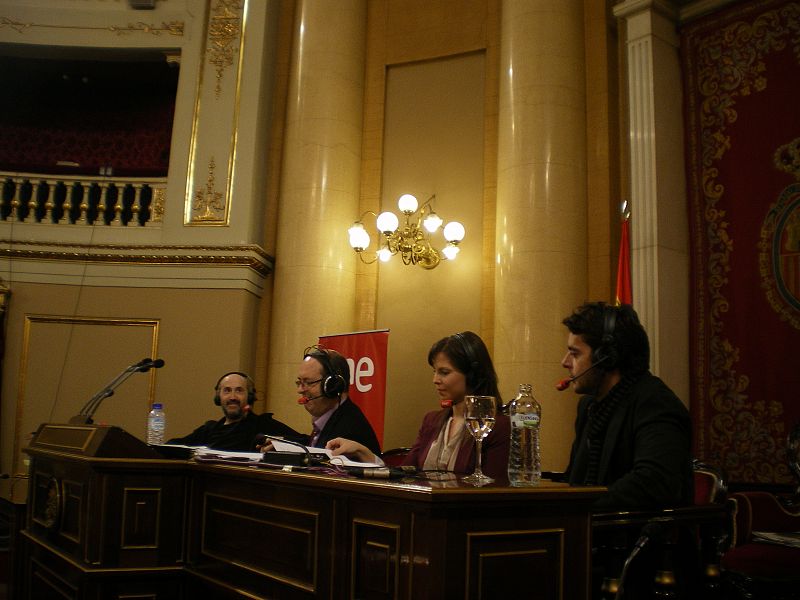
x: 624, y: 294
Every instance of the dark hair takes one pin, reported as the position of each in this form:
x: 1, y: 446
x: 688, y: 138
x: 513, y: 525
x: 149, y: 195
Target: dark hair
x: 469, y: 355
x: 628, y: 338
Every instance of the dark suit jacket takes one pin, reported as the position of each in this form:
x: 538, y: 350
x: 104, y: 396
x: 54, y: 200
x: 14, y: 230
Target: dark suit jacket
x: 646, y: 455
x: 494, y: 459
x: 239, y: 436
x: 349, y: 422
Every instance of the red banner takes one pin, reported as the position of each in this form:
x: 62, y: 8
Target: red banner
x: 624, y: 294
x: 365, y: 352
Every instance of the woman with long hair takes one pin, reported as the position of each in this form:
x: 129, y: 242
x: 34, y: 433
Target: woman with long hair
x: 461, y: 366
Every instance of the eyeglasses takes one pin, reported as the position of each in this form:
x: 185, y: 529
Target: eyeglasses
x: 304, y: 383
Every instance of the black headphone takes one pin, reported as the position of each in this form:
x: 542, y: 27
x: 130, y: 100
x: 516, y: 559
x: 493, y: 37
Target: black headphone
x: 333, y: 383
x: 607, y: 351
x: 251, y: 388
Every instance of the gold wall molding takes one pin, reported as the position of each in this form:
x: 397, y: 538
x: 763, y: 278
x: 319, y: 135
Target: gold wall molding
x: 215, y: 121
x: 172, y: 27
x: 250, y: 256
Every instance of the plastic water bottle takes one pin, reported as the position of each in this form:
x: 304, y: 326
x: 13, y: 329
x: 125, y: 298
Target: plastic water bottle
x: 156, y: 423
x: 524, y: 458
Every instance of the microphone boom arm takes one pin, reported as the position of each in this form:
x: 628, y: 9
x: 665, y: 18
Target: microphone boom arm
x: 84, y: 417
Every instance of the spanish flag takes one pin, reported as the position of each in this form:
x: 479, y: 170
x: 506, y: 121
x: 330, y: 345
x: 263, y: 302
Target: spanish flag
x: 624, y: 295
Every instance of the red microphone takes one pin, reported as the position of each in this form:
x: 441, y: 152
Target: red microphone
x: 446, y: 403
x: 564, y: 383
x: 306, y: 400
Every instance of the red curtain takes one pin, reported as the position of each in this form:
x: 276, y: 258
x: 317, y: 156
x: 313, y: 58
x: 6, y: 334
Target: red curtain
x: 742, y: 90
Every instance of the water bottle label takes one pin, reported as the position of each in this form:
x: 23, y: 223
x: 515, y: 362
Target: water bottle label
x: 531, y: 420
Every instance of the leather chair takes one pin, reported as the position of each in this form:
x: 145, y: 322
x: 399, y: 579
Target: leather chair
x: 754, y: 568
x: 395, y: 456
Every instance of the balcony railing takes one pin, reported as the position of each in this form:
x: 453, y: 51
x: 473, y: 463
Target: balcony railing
x: 82, y: 200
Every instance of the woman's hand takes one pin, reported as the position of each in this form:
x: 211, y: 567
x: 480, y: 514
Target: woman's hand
x: 352, y: 450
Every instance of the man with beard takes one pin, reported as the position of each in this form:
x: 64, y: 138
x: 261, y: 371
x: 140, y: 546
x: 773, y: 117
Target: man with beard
x: 239, y: 426
x: 632, y: 433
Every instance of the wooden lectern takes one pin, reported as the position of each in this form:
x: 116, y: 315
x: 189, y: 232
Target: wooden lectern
x: 105, y: 516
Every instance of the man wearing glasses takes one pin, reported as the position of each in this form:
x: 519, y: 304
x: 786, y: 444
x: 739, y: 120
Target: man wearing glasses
x: 323, y: 381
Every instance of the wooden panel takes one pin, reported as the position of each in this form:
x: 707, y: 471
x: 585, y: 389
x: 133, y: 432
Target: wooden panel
x: 499, y: 563
x: 280, y: 542
x: 375, y: 562
x: 73, y: 493
x: 141, y: 509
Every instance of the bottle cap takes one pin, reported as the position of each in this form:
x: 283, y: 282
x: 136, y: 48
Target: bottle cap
x: 157, y: 406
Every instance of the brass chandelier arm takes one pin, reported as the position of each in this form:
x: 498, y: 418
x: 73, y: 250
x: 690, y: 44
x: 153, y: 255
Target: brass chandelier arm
x: 411, y: 239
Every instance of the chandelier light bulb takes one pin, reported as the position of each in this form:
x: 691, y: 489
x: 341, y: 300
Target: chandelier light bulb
x: 454, y: 232
x: 407, y: 204
x: 450, y: 251
x: 384, y: 254
x: 432, y: 222
x: 387, y: 222
x: 359, y: 238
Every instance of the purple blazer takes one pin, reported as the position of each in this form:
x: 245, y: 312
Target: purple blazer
x: 495, y: 447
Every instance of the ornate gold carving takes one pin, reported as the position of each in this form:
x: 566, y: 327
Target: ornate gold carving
x: 245, y: 247
x: 731, y: 64
x: 779, y: 244
x: 184, y: 259
x: 224, y: 29
x: 209, y: 203
x: 172, y: 28
x: 51, y: 513
x: 157, y: 205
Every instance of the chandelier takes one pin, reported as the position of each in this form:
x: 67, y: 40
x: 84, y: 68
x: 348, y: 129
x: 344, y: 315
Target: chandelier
x: 411, y: 241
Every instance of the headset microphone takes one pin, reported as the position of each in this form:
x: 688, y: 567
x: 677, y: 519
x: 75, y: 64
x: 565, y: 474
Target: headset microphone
x: 564, y: 383
x: 306, y: 400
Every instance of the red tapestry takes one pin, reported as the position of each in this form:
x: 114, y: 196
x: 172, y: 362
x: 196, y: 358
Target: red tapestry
x: 742, y: 91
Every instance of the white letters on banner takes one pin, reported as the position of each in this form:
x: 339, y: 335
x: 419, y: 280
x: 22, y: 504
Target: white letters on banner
x: 365, y: 369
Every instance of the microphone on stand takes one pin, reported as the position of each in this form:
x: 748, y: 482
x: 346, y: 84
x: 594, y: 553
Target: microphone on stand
x: 148, y: 363
x: 564, y: 383
x: 284, y: 458
x: 84, y: 417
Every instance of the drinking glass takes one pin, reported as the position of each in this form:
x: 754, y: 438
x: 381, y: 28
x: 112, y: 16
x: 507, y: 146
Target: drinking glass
x: 479, y: 414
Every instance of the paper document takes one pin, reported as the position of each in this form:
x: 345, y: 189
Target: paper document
x: 334, y: 460
x: 204, y: 452
x: 786, y: 538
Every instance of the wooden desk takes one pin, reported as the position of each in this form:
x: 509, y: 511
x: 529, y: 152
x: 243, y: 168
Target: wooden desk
x: 100, y: 527
x: 281, y: 535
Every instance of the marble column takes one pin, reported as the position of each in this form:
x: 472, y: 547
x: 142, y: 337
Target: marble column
x: 659, y: 223
x: 541, y: 231
x: 315, y: 269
